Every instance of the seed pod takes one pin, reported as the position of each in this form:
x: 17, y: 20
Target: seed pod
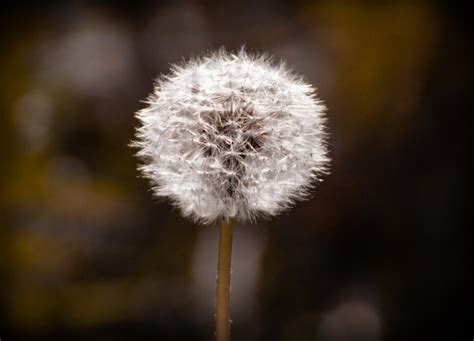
x: 232, y: 136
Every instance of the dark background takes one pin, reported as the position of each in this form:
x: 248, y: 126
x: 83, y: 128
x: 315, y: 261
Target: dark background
x: 380, y: 253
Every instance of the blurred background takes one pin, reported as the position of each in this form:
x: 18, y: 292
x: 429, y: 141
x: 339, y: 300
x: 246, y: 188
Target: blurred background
x: 380, y: 253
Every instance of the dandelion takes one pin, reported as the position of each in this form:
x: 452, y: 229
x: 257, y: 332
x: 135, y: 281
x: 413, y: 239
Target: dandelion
x: 232, y: 137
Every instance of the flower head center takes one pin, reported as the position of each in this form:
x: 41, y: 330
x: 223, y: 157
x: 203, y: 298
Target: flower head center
x: 230, y: 137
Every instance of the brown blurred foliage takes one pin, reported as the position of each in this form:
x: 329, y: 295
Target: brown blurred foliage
x: 380, y: 253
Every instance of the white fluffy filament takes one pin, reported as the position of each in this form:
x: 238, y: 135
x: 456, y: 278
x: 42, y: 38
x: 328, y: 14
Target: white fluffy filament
x: 232, y: 135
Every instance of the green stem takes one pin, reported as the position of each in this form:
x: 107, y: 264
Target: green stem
x: 223, y: 282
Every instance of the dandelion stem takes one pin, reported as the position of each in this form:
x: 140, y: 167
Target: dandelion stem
x: 223, y: 282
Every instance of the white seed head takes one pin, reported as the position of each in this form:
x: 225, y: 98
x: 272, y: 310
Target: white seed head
x: 232, y: 135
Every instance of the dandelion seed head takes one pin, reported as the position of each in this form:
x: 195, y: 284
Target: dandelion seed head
x: 232, y: 136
